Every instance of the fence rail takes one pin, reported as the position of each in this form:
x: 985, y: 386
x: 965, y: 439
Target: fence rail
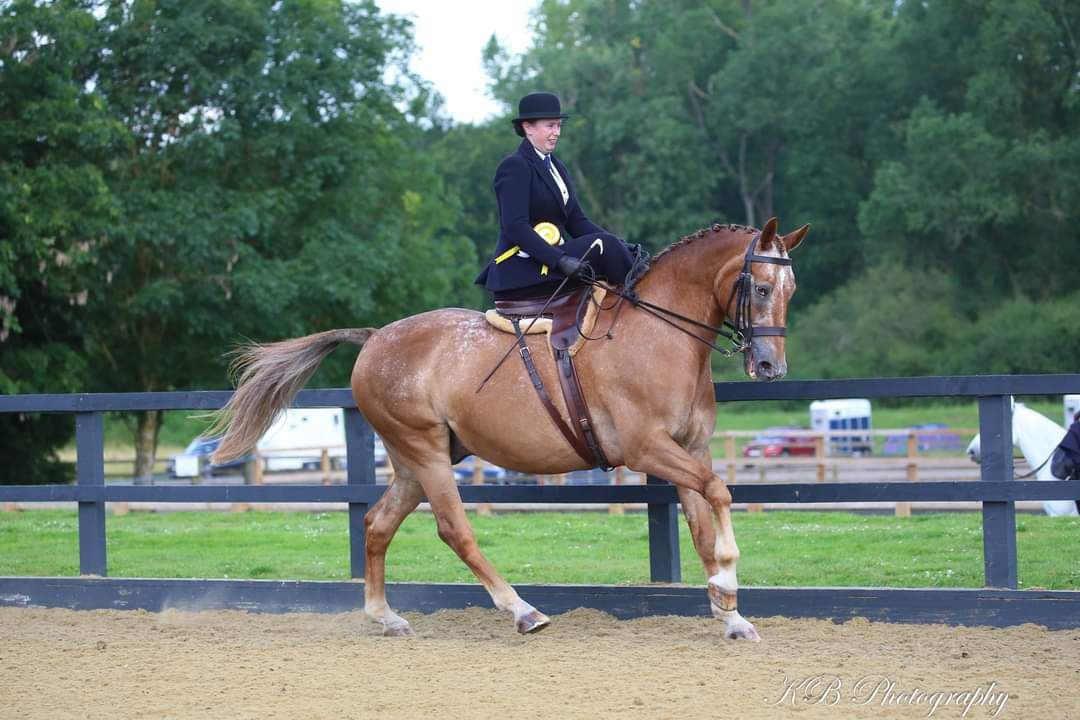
x: 997, y: 490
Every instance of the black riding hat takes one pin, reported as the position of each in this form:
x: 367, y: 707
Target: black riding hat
x: 537, y: 106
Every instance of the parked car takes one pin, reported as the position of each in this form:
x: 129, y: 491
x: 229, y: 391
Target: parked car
x: 493, y: 474
x: 195, y: 460
x: 778, y: 442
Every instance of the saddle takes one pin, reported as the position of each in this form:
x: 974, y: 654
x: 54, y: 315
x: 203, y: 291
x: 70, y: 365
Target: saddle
x: 561, y: 320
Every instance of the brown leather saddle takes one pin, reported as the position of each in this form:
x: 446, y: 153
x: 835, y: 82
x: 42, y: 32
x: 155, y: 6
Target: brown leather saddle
x: 568, y: 314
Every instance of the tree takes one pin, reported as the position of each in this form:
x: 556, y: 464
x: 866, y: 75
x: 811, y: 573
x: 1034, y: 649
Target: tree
x: 55, y: 138
x: 991, y: 151
x: 268, y: 184
x: 886, y: 322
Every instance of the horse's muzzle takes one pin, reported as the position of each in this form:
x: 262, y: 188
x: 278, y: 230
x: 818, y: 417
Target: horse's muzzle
x: 767, y: 371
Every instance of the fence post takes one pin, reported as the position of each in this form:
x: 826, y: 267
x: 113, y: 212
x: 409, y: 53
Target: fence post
x: 617, y: 508
x: 903, y: 509
x: 663, y: 539
x: 999, y: 518
x: 90, y: 472
x: 360, y: 457
x: 729, y: 455
x: 819, y: 453
x: 478, y: 479
x: 324, y: 465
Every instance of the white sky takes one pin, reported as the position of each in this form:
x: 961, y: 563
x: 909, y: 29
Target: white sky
x: 450, y: 37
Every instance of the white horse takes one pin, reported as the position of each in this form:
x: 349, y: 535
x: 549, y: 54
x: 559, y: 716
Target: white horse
x: 1037, y: 436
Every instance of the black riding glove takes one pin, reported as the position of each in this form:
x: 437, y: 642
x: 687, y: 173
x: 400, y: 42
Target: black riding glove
x: 573, y: 267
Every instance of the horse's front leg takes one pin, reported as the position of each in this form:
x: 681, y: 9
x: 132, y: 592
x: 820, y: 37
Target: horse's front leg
x: 703, y: 496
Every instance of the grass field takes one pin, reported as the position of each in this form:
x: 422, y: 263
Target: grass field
x: 778, y: 548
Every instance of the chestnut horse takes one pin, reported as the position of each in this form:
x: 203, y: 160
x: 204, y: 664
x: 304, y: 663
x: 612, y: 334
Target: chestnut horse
x: 648, y: 385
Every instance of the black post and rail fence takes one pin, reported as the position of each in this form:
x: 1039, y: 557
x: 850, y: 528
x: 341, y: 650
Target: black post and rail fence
x: 997, y: 603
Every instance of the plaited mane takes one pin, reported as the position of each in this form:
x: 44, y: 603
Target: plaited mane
x: 713, y: 229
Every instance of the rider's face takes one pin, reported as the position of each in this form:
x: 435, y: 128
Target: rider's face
x: 543, y: 134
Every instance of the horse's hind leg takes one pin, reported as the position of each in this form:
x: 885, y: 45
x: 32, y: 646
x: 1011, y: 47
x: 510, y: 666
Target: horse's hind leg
x: 455, y: 531
x: 381, y: 523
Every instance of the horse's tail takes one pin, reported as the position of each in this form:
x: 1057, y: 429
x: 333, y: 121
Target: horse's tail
x: 267, y: 379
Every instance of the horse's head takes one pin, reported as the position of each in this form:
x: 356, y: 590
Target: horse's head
x: 758, y: 300
x: 974, y: 449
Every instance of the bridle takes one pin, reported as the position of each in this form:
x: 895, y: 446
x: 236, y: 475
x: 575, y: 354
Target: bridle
x: 738, y: 329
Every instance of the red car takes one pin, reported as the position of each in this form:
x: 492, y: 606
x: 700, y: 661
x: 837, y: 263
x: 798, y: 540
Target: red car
x: 775, y: 442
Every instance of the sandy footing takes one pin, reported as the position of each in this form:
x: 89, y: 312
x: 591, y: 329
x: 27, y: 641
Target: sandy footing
x: 466, y: 664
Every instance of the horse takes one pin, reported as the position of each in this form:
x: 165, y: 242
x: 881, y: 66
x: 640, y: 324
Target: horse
x: 1037, y: 436
x: 648, y: 384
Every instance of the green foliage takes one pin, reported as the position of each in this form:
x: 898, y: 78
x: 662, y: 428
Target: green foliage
x: 1021, y: 336
x: 887, y: 322
x: 990, y: 148
x: 54, y: 202
x: 273, y: 190
x: 176, y: 176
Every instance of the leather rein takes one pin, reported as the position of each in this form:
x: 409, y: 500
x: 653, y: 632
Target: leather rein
x: 739, y: 331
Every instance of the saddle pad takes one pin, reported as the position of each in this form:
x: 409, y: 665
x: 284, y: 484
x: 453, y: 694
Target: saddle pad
x: 544, y: 324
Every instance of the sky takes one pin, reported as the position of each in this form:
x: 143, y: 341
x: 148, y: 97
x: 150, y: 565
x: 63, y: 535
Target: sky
x: 450, y: 37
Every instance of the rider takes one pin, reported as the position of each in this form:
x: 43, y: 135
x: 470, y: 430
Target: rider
x: 544, y: 235
x: 1066, y: 459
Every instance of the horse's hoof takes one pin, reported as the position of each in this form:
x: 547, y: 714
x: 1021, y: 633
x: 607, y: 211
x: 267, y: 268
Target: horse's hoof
x: 742, y: 631
x: 403, y: 630
x: 531, y: 622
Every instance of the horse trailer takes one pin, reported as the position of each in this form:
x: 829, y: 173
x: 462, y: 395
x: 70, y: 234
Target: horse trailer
x: 848, y: 414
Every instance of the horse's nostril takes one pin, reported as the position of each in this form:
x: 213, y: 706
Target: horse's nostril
x: 765, y: 369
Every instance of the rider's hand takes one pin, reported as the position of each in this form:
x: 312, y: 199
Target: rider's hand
x: 573, y: 267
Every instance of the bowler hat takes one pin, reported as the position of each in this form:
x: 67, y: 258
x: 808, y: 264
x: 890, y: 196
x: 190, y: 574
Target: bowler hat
x: 537, y: 106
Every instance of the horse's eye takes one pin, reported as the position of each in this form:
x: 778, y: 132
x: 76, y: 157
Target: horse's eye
x: 762, y: 291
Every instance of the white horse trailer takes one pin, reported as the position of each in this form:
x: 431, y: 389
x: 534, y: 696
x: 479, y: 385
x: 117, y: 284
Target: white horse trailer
x: 849, y: 414
x: 298, y: 437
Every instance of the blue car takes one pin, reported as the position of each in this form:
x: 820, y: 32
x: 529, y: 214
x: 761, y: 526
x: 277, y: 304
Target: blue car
x: 195, y: 460
x: 493, y: 474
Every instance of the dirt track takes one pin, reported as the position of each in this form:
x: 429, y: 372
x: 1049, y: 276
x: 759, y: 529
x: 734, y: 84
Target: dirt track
x: 470, y: 664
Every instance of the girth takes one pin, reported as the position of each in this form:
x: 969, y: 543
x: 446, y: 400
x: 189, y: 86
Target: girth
x: 566, y: 313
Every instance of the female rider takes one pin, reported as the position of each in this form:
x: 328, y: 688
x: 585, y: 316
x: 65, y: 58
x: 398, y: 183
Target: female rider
x: 544, y: 235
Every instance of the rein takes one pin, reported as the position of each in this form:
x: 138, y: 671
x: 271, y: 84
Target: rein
x: 740, y: 332
x: 1041, y: 466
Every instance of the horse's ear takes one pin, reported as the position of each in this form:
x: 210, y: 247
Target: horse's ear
x: 792, y: 239
x: 768, y: 233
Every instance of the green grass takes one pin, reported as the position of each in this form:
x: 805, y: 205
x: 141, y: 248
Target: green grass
x: 778, y: 548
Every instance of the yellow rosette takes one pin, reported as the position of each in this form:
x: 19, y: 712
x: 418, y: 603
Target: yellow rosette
x: 548, y: 231
x: 551, y: 236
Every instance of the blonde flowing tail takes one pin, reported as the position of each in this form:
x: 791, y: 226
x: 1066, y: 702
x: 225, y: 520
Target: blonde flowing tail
x: 267, y: 379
